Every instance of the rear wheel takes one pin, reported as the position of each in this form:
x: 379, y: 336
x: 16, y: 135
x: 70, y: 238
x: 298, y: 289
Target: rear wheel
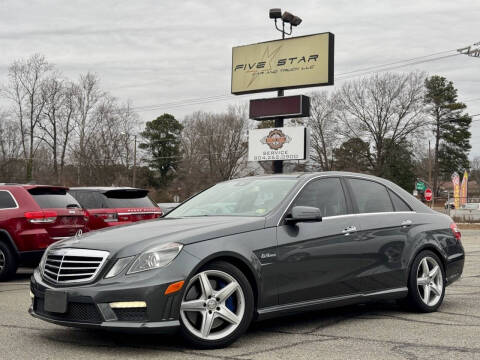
x: 217, y: 306
x: 8, y: 262
x: 426, y: 286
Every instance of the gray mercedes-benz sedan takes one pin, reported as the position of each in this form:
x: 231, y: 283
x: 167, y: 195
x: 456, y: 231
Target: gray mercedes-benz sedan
x: 249, y: 249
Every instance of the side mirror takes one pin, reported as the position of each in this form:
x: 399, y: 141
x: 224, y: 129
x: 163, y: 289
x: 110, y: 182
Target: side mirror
x: 304, y: 214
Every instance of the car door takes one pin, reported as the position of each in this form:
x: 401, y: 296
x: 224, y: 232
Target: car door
x: 384, y: 222
x: 314, y: 258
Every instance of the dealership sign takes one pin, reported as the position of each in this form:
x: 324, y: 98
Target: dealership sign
x: 286, y: 143
x: 283, y: 64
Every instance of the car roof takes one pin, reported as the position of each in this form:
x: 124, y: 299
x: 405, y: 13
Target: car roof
x: 32, y: 186
x: 309, y: 175
x: 104, y: 189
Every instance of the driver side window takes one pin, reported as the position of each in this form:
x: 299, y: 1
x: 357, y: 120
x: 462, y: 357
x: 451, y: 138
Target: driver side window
x: 325, y: 194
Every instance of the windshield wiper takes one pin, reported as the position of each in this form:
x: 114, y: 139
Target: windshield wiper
x: 73, y: 206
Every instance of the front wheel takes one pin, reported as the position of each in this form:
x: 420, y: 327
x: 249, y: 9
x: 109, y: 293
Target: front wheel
x: 217, y: 306
x: 8, y: 263
x: 426, y: 285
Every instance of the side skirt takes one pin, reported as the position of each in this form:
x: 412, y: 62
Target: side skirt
x: 287, y: 309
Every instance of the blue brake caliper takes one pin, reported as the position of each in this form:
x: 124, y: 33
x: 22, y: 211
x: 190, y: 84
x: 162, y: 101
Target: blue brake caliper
x: 229, y: 302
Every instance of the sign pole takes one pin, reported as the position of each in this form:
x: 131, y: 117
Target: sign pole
x: 278, y: 164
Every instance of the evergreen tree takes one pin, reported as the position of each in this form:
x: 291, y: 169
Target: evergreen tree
x: 450, y: 126
x: 353, y: 155
x: 162, y: 142
x: 399, y: 164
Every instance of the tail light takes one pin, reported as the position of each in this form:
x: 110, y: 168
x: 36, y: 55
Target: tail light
x: 456, y: 232
x: 41, y: 217
x: 108, y: 217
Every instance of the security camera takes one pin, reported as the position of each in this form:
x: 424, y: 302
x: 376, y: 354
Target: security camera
x: 275, y: 13
x: 287, y: 17
x: 296, y: 21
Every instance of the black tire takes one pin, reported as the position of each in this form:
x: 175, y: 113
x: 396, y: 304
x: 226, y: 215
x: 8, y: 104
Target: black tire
x: 233, y: 271
x: 414, y: 299
x: 8, y: 262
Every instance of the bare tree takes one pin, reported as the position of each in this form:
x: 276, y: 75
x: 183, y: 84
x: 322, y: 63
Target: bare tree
x: 53, y: 91
x: 384, y: 109
x: 10, y: 148
x: 324, y: 129
x: 88, y: 94
x: 222, y: 142
x: 24, y: 90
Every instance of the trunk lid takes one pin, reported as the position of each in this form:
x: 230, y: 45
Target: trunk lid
x: 59, y: 213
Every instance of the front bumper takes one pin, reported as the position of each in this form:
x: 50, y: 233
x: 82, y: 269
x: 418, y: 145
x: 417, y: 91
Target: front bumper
x: 88, y: 305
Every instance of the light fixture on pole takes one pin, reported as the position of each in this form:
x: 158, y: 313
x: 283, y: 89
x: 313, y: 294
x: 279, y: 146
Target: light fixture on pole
x: 293, y: 20
x: 286, y: 17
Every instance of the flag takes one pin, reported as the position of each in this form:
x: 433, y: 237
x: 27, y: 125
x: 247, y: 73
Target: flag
x: 456, y: 189
x: 464, y: 189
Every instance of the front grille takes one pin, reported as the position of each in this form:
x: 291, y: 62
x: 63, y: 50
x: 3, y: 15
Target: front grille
x: 131, y: 314
x: 76, y: 312
x: 64, y: 266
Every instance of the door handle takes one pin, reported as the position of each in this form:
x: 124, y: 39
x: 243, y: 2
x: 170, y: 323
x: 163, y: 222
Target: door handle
x: 406, y: 223
x: 349, y: 230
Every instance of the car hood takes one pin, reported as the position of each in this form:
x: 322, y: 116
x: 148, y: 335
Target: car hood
x: 135, y: 238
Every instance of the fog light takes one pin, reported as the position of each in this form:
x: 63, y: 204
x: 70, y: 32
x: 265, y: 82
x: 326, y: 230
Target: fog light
x: 31, y: 295
x: 128, y: 304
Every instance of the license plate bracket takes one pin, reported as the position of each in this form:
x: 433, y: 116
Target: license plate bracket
x: 55, y: 301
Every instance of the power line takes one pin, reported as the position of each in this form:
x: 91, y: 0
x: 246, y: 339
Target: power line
x: 400, y: 66
x: 395, y: 62
x: 351, y: 74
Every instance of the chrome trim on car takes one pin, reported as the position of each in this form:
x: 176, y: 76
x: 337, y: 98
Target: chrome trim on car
x: 139, y: 213
x: 70, y: 265
x: 308, y: 303
x: 344, y: 215
x: 58, y: 238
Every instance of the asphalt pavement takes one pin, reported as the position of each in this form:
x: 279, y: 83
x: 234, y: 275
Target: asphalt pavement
x: 374, y: 331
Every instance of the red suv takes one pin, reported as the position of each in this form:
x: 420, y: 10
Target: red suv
x: 112, y: 206
x: 31, y: 218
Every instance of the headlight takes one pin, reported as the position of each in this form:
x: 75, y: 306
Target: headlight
x: 155, y: 258
x: 120, y: 264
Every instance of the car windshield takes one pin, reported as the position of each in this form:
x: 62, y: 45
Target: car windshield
x: 243, y: 197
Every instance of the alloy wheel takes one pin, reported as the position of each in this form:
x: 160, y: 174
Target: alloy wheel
x: 429, y: 281
x: 213, y: 305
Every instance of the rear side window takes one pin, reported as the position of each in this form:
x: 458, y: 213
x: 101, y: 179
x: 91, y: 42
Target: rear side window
x: 128, y: 199
x: 325, y: 194
x: 53, y: 198
x: 90, y: 199
x: 398, y: 203
x: 7, y: 201
x: 371, y: 197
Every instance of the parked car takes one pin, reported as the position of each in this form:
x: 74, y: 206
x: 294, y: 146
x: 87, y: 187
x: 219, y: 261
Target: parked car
x: 112, y: 206
x: 450, y: 203
x: 167, y: 207
x: 471, y: 206
x: 249, y: 249
x: 32, y: 217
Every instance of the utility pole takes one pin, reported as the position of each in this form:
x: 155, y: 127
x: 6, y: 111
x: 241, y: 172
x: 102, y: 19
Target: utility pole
x: 278, y: 164
x: 471, y: 50
x: 429, y: 164
x: 134, y: 177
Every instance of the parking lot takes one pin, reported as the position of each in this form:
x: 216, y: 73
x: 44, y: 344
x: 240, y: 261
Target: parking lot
x: 374, y: 331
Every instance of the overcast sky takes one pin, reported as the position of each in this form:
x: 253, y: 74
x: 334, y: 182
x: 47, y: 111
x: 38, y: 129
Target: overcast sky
x: 159, y: 52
